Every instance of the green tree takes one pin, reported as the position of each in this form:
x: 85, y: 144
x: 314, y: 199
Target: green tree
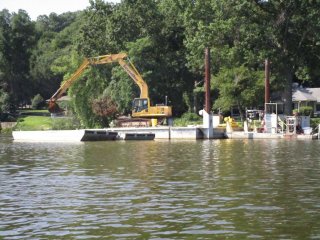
x: 4, y: 49
x: 240, y: 87
x: 16, y: 43
x: 121, y: 90
x: 93, y: 39
x: 291, y: 39
x: 84, y: 91
x: 22, y: 41
x: 247, y: 32
x: 56, y: 36
x: 231, y: 30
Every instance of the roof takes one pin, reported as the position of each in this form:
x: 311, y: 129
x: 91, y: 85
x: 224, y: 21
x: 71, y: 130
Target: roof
x: 306, y: 95
x: 64, y: 98
x: 315, y: 92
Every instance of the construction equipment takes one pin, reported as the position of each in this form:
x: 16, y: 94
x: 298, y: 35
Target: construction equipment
x: 141, y: 106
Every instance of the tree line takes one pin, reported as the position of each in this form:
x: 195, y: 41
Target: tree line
x: 166, y: 40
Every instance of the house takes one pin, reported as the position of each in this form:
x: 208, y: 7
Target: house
x: 302, y: 97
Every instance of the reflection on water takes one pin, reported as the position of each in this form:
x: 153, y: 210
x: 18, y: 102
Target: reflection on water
x: 267, y: 189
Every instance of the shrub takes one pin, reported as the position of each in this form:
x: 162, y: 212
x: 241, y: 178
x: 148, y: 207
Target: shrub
x: 191, y: 116
x: 304, y: 111
x: 4, y: 102
x: 68, y: 123
x: 188, y: 118
x: 7, y: 117
x: 37, y: 102
x: 314, y: 122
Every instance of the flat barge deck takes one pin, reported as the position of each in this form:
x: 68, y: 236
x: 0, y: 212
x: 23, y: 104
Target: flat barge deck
x: 149, y: 133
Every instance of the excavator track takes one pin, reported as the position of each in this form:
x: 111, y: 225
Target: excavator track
x: 133, y: 122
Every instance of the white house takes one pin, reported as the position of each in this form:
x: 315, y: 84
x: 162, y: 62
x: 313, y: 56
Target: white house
x: 302, y: 97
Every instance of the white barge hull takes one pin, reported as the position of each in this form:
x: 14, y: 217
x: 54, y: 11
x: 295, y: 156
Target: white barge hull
x: 49, y: 136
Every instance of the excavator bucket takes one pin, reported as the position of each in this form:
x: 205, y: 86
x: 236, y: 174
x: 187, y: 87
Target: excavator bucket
x: 54, y: 107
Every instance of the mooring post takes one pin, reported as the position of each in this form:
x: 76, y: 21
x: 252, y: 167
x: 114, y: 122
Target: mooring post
x: 207, y: 115
x: 266, y: 90
x: 207, y: 106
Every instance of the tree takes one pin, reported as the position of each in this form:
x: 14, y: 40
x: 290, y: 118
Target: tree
x: 240, y: 87
x: 5, y: 99
x: 93, y: 39
x: 291, y: 39
x: 84, y: 91
x: 122, y: 90
x: 22, y: 41
x: 230, y: 29
x: 56, y: 36
x: 16, y: 43
x: 247, y: 32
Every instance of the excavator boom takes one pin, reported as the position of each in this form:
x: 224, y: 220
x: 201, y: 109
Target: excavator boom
x: 58, y: 94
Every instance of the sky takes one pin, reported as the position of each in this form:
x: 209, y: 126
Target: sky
x: 40, y: 7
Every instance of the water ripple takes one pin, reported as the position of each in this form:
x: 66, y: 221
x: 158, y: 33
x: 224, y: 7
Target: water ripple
x: 160, y: 190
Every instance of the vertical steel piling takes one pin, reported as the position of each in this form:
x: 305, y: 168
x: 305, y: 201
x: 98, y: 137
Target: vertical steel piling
x: 207, y: 107
x: 267, y: 81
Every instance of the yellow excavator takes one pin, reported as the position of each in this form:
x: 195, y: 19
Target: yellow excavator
x: 141, y: 106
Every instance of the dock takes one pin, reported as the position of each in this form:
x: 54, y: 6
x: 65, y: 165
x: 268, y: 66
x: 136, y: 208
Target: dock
x: 256, y: 135
x: 141, y: 133
x: 146, y: 133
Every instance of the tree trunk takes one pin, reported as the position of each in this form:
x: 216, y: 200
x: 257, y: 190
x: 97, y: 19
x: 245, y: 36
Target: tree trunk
x: 241, y: 111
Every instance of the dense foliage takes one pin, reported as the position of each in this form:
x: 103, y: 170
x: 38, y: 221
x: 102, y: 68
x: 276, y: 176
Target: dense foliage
x: 166, y: 40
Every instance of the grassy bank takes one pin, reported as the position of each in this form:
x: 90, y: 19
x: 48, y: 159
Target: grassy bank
x: 33, y: 120
x: 39, y: 120
x: 32, y: 123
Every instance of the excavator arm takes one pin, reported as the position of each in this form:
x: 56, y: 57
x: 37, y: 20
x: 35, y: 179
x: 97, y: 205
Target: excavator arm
x: 127, y: 65
x: 135, y: 75
x: 58, y: 94
x: 53, y: 107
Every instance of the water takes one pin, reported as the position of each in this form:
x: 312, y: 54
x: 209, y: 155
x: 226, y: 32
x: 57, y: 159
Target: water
x: 219, y: 189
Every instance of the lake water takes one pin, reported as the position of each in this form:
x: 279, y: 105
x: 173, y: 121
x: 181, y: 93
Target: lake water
x: 211, y: 189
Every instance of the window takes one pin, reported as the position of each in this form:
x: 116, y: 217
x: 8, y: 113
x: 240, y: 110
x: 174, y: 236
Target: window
x: 140, y: 104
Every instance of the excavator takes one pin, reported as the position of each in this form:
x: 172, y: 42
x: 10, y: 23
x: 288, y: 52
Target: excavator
x: 141, y: 107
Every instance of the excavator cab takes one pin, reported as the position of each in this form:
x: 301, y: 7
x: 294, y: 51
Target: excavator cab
x: 140, y: 104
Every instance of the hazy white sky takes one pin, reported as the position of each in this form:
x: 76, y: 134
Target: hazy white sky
x: 40, y: 7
